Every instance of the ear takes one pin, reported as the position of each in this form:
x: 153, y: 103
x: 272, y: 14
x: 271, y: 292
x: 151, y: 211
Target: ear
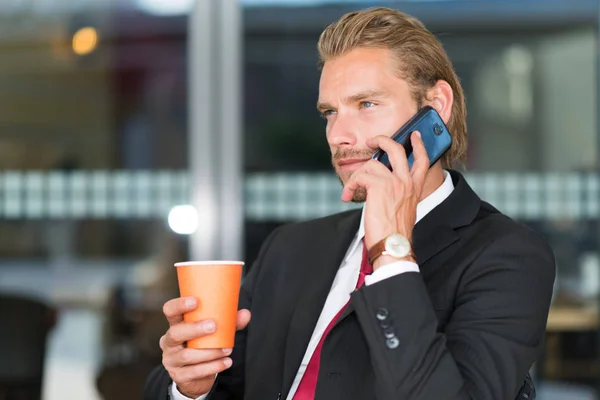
x: 441, y: 97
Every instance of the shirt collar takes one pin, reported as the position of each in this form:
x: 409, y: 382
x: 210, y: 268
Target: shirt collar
x: 423, y: 208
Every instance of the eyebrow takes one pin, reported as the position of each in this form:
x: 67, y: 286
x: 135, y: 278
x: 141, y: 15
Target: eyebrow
x: 355, y: 98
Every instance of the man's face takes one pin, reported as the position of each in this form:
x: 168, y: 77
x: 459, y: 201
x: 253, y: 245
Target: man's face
x: 361, y: 97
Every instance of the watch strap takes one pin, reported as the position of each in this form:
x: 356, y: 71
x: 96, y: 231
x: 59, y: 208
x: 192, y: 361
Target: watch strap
x: 376, y: 251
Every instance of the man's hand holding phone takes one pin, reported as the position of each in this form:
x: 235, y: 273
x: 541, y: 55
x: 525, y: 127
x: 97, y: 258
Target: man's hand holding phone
x: 392, y: 195
x: 193, y: 370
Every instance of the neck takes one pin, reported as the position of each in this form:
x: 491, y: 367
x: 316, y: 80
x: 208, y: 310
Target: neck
x: 433, y: 180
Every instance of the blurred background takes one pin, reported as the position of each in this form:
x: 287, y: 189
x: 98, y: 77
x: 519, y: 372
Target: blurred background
x: 138, y: 133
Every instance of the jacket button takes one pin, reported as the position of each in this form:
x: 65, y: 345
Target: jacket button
x: 389, y: 333
x: 385, y: 324
x: 392, y: 343
x: 382, y: 314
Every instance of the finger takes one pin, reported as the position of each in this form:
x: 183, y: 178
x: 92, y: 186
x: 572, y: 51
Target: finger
x: 189, y: 356
x: 396, y: 154
x: 199, y: 371
x: 357, y: 180
x: 178, y: 334
x: 167, y: 346
x: 175, y: 308
x: 376, y: 168
x: 421, y: 163
x: 243, y: 318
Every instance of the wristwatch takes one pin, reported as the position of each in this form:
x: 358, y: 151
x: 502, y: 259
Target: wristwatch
x: 394, y: 245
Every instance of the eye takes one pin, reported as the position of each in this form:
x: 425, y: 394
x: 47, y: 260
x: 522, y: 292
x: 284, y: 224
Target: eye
x: 367, y: 104
x: 326, y: 113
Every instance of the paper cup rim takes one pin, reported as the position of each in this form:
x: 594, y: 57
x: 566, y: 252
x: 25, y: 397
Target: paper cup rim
x: 207, y: 263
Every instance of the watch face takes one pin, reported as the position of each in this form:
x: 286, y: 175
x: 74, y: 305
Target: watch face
x: 397, y: 246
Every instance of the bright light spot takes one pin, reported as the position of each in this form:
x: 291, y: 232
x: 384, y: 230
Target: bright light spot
x: 166, y: 7
x: 183, y: 219
x: 85, y: 41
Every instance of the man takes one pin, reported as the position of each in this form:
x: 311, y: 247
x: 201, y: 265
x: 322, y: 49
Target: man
x: 427, y: 293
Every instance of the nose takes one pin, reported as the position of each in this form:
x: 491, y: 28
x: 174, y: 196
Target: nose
x: 340, y: 132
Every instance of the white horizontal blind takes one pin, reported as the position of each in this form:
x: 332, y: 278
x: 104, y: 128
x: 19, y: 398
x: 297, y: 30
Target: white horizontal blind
x: 269, y: 196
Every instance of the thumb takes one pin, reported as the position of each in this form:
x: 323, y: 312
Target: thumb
x: 243, y: 318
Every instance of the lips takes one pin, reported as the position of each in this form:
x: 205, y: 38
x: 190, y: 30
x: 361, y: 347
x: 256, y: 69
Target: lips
x: 350, y: 161
x: 349, y: 165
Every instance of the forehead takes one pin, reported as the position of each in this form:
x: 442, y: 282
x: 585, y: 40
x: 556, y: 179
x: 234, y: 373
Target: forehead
x: 360, y: 70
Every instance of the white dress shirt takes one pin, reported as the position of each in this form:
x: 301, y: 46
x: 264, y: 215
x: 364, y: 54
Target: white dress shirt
x: 345, y: 280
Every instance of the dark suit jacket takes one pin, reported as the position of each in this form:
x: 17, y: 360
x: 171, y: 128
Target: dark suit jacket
x: 468, y: 326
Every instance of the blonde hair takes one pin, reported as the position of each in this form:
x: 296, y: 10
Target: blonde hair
x: 422, y: 59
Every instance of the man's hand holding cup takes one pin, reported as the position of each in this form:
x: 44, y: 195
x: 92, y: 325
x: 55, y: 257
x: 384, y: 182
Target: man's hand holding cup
x: 202, y: 324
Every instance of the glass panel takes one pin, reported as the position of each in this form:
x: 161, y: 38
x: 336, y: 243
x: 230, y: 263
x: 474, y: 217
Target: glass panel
x: 93, y: 152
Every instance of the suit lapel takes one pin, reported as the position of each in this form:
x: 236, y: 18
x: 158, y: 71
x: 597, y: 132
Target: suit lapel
x: 437, y: 230
x: 320, y: 267
x: 427, y: 242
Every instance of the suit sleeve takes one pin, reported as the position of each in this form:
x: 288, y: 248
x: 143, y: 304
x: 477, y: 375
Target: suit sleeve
x: 229, y: 384
x: 490, y: 342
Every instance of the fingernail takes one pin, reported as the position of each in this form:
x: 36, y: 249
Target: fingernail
x: 208, y: 326
x: 227, y: 362
x: 419, y: 134
x: 190, y: 302
x: 227, y: 351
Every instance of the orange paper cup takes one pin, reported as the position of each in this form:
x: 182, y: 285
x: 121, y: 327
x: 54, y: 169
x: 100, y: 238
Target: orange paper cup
x: 216, y: 287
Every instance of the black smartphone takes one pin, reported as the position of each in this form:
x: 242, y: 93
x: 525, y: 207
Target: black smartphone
x: 434, y: 133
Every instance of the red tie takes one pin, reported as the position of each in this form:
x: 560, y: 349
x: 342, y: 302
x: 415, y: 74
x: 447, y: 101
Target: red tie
x: 308, y: 384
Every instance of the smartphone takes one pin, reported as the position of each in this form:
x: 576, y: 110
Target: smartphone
x: 434, y: 133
